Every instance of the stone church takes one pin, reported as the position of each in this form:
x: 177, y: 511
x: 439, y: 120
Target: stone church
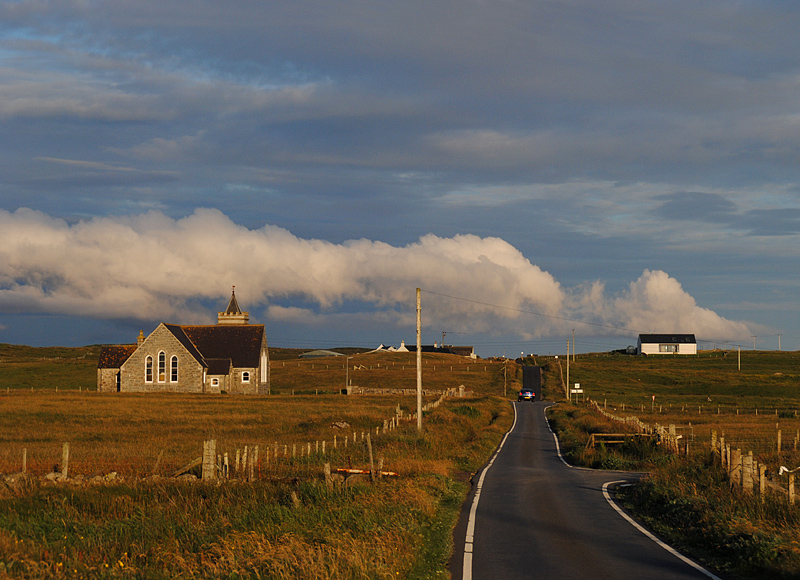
x: 230, y: 356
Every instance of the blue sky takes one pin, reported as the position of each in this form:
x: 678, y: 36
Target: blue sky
x: 536, y: 167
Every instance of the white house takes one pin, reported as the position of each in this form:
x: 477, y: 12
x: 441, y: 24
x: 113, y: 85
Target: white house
x: 666, y: 344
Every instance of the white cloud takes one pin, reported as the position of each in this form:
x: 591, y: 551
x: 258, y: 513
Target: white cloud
x: 153, y: 267
x: 656, y: 303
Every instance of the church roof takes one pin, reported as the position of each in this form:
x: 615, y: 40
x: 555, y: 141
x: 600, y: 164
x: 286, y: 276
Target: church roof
x: 241, y: 344
x: 112, y: 356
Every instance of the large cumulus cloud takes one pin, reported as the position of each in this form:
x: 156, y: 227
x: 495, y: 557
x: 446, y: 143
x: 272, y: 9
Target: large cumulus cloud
x: 153, y: 267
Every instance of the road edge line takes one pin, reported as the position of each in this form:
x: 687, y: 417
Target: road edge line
x: 466, y: 569
x: 650, y: 535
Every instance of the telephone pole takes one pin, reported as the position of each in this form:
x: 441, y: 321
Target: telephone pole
x: 419, y: 361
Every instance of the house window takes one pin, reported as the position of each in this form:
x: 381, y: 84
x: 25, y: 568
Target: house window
x: 162, y: 367
x: 667, y: 348
x: 173, y: 372
x: 245, y: 377
x: 148, y: 369
x: 214, y: 382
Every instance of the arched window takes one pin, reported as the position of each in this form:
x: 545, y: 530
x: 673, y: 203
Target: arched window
x: 162, y: 367
x: 173, y: 372
x: 246, y: 377
x: 148, y: 369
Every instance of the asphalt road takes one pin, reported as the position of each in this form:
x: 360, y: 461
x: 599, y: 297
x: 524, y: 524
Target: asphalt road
x: 536, y: 517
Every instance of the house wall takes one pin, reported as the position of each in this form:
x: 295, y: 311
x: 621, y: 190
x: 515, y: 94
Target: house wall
x: 263, y: 376
x: 222, y: 384
x: 239, y: 387
x: 107, y: 380
x: 190, y: 371
x: 655, y: 348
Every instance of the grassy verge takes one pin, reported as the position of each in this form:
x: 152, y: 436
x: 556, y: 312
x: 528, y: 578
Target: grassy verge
x: 574, y: 424
x: 690, y: 503
x: 301, y: 528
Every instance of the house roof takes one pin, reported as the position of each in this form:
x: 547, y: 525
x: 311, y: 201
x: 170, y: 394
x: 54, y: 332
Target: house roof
x: 320, y: 354
x: 667, y: 338
x: 239, y: 343
x: 219, y: 366
x: 112, y: 356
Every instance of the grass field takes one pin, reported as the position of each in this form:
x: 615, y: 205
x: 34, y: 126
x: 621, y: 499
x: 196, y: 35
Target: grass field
x: 286, y: 524
x: 688, y: 499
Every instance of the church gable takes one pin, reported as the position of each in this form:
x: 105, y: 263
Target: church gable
x: 163, y: 363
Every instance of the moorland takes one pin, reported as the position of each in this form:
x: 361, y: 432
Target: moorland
x: 289, y: 523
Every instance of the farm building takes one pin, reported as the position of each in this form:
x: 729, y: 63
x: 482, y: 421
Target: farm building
x: 667, y: 344
x: 231, y: 356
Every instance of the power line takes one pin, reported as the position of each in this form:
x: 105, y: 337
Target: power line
x: 563, y: 318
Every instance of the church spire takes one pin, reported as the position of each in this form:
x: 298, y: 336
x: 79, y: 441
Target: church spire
x: 233, y: 305
x: 233, y: 314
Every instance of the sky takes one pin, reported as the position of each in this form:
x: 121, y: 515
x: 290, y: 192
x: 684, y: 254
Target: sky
x: 537, y: 168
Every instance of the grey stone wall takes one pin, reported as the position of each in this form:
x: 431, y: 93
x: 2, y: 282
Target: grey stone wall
x: 190, y: 371
x: 107, y: 380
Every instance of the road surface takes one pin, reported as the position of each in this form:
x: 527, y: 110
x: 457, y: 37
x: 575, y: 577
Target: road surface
x: 536, y: 517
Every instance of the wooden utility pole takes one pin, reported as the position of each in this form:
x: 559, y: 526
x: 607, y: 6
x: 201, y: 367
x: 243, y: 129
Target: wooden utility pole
x: 419, y: 361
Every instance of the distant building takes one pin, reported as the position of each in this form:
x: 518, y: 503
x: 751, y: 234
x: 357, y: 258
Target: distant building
x: 666, y: 344
x: 468, y: 351
x: 320, y: 354
x: 230, y: 356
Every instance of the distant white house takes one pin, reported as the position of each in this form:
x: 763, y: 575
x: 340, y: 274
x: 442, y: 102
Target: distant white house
x: 666, y: 344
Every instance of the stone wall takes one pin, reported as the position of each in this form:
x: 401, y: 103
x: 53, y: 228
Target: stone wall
x: 190, y: 371
x: 107, y: 380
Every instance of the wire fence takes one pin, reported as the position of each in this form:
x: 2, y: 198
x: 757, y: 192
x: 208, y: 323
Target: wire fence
x: 232, y: 458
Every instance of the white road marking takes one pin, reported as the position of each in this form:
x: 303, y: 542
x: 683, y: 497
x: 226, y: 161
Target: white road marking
x: 636, y: 525
x: 466, y: 571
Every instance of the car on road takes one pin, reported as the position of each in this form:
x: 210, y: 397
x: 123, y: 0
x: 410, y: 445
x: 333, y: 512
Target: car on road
x: 526, y: 395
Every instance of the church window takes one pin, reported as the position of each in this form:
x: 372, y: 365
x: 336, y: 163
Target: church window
x: 245, y: 377
x: 162, y: 367
x: 173, y: 363
x: 148, y: 369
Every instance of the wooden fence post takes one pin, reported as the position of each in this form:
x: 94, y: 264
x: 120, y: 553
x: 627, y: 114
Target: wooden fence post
x: 209, y: 470
x: 25, y: 460
x: 791, y: 489
x: 65, y: 460
x: 735, y: 468
x: 779, y: 440
x: 371, y: 462
x: 747, y: 472
x: 253, y: 462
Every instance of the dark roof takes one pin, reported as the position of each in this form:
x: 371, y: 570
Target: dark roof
x: 457, y: 350
x: 239, y: 343
x: 178, y: 332
x: 667, y: 338
x: 219, y: 366
x: 112, y: 356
